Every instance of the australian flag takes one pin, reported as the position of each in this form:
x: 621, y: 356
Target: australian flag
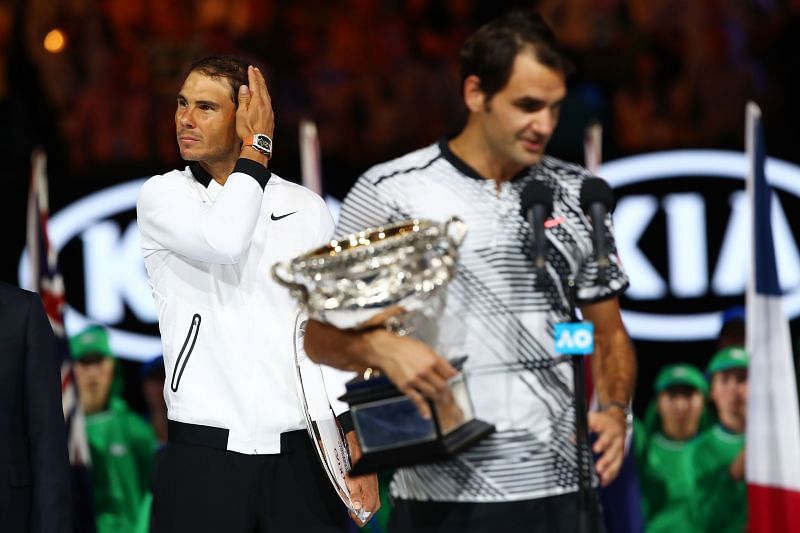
x: 47, y: 281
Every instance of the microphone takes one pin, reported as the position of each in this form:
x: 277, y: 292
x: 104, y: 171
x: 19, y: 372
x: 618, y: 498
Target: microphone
x: 597, y: 200
x: 537, y: 204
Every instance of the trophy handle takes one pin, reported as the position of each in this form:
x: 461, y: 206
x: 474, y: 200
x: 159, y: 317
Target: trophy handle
x: 460, y: 228
x: 281, y: 274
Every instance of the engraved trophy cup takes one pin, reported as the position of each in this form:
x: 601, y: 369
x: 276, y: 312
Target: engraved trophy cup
x: 392, y: 276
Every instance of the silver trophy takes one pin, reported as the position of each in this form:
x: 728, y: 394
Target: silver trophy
x: 323, y: 427
x: 392, y: 276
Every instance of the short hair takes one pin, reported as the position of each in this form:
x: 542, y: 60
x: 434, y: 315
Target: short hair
x: 489, y: 53
x: 231, y: 68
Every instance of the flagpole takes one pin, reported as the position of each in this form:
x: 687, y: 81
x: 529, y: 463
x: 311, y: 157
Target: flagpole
x: 46, y: 280
x: 310, y: 156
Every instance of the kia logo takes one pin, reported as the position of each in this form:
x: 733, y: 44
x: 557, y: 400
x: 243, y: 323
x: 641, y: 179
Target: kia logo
x: 692, y: 273
x: 116, y: 290
x: 114, y: 273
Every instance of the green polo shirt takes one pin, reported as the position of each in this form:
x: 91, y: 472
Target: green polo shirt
x: 122, y: 447
x: 720, y: 503
x: 667, y: 483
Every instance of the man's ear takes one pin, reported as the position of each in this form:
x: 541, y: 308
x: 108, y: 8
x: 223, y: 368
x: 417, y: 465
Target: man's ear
x: 474, y: 97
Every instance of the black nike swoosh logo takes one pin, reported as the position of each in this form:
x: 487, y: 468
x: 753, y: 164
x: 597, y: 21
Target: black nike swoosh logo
x: 273, y: 217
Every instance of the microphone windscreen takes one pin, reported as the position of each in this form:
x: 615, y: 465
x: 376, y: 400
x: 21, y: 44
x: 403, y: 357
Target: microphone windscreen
x: 596, y: 190
x: 536, y: 192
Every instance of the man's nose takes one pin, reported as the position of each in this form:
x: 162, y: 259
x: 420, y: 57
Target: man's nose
x: 682, y: 403
x: 186, y: 118
x: 544, y: 121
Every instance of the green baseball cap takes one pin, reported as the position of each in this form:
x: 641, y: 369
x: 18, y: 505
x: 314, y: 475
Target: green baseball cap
x: 727, y: 358
x: 681, y: 374
x: 93, y: 341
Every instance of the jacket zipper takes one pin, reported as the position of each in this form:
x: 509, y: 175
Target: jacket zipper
x: 194, y: 329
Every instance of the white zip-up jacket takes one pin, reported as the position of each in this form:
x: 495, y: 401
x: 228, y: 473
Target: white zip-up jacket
x: 226, y: 327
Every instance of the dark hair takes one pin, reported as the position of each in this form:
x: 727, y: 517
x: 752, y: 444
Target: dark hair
x: 231, y: 68
x: 489, y: 53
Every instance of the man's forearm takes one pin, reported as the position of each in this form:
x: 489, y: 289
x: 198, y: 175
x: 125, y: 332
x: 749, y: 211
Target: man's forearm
x: 345, y: 350
x: 614, y: 368
x: 413, y: 366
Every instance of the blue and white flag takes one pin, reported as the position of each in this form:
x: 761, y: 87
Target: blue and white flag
x: 773, y: 423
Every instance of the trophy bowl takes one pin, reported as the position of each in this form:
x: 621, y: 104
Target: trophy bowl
x: 359, y: 279
x: 389, y: 276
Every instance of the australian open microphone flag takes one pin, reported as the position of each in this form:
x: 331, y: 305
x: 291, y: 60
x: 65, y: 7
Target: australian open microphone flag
x: 773, y: 423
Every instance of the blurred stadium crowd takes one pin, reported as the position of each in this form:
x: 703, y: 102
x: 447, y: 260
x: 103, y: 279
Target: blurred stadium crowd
x: 380, y: 76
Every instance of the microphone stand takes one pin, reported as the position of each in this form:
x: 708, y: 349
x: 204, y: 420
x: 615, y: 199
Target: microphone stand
x: 586, y: 516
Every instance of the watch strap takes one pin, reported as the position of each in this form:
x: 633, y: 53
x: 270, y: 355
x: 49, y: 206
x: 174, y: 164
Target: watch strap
x: 624, y: 407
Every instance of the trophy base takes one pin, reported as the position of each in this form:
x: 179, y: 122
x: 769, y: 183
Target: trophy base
x: 426, y: 452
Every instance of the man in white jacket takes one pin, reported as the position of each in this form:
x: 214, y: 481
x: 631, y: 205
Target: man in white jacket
x: 238, y: 458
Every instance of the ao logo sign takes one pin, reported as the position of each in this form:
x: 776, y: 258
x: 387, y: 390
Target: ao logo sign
x: 115, y: 277
x: 574, y: 338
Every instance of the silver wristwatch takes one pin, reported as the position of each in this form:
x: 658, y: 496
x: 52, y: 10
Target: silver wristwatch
x: 261, y: 142
x: 625, y: 408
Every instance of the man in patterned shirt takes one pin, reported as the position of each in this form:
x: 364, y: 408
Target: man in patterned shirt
x: 523, y: 477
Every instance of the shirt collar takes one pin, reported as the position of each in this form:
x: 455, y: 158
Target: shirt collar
x: 467, y: 170
x: 200, y: 174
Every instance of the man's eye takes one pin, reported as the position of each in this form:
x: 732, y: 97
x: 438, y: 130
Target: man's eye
x: 531, y: 107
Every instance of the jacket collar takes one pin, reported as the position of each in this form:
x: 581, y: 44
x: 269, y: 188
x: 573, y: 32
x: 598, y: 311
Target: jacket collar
x: 200, y: 174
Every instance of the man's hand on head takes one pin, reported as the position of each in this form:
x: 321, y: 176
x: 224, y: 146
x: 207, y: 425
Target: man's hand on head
x: 254, y: 114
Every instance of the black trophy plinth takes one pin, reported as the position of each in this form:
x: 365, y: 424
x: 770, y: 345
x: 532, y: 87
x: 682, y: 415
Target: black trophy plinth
x: 392, y: 433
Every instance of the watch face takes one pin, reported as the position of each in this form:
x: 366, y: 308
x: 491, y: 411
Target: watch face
x: 263, y: 142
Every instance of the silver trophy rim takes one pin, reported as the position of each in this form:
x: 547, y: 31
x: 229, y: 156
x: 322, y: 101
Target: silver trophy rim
x: 378, y: 237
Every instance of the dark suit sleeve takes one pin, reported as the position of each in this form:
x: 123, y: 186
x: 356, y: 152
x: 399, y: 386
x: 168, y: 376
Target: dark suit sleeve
x: 52, y: 500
